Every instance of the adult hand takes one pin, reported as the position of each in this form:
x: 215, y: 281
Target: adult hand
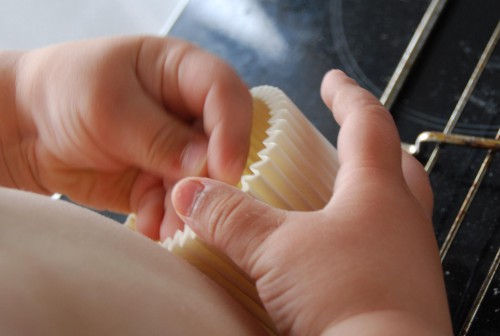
x: 366, y: 264
x: 114, y: 123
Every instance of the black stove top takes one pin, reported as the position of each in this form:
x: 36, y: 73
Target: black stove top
x: 291, y: 44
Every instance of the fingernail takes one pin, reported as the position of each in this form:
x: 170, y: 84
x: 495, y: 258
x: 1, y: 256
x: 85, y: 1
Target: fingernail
x: 186, y: 194
x: 194, y: 158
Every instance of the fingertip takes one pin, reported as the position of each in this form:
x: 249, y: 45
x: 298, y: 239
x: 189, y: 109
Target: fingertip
x: 149, y: 217
x: 147, y: 202
x: 185, y: 195
x: 226, y: 166
x: 332, y: 74
x: 171, y: 223
x: 328, y: 85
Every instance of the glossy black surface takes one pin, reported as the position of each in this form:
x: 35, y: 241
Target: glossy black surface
x: 291, y: 44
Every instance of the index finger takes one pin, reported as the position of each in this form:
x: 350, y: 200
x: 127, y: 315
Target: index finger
x: 198, y: 85
x: 368, y: 136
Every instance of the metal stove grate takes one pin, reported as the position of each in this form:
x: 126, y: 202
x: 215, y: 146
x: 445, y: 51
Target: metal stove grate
x: 447, y: 137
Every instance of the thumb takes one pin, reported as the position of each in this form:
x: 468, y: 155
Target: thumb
x: 226, y: 218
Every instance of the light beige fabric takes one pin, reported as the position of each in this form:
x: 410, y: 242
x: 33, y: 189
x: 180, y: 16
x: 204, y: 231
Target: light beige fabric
x: 65, y: 270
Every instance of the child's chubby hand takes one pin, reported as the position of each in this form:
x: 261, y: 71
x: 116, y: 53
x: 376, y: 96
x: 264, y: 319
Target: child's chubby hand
x: 113, y: 123
x: 366, y: 264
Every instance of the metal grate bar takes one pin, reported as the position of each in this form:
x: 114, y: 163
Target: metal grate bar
x: 452, y: 139
x: 413, y: 49
x: 464, y: 98
x: 480, y: 296
x: 467, y: 201
x: 446, y: 137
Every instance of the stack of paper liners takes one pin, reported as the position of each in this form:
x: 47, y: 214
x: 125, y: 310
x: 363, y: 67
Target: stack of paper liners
x: 290, y: 166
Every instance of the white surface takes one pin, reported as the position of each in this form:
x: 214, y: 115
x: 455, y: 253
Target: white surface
x: 28, y: 24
